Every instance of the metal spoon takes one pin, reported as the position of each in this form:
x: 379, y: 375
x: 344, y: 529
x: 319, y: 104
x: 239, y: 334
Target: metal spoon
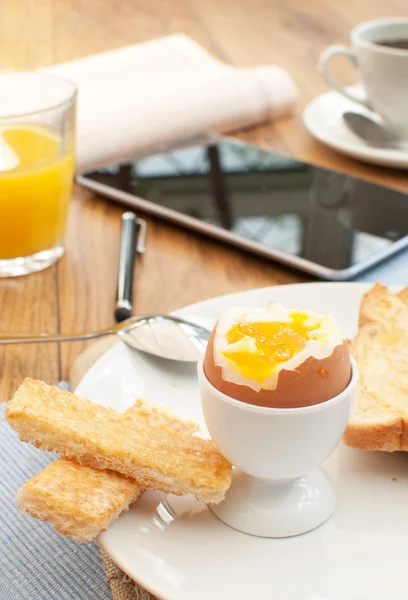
x: 158, y: 335
x: 368, y: 129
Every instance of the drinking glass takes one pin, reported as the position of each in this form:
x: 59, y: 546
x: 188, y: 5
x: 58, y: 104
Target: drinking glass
x: 37, y: 162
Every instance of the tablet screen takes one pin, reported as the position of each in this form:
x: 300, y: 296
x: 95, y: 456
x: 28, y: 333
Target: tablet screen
x: 326, y: 217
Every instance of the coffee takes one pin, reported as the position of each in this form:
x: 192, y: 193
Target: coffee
x: 401, y: 44
x: 380, y: 53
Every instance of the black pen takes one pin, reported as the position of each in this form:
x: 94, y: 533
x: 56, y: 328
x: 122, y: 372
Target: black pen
x: 132, y: 245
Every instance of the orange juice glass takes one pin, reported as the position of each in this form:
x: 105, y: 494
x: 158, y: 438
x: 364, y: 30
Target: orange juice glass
x: 37, y: 163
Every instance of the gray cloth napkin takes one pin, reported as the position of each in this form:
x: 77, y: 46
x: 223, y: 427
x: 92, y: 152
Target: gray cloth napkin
x: 35, y: 562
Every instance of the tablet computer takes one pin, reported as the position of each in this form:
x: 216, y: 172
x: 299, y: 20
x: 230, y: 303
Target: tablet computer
x: 328, y: 224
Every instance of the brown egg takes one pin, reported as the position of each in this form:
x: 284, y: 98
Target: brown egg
x: 312, y: 382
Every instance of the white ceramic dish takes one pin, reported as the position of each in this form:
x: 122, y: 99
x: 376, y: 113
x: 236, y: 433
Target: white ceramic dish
x: 279, y: 489
x: 323, y: 119
x: 178, y: 550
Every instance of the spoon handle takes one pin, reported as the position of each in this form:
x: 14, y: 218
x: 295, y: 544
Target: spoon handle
x: 30, y: 338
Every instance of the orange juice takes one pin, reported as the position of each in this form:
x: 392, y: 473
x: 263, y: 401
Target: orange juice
x: 35, y: 188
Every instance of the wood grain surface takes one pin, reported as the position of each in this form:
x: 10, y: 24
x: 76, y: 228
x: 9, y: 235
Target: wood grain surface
x: 179, y: 267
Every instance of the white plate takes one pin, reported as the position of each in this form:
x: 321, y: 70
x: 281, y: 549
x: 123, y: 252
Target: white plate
x: 323, y: 119
x: 177, y: 549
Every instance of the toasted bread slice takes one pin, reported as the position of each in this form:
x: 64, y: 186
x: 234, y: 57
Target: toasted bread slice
x: 378, y: 305
x: 403, y: 295
x: 79, y: 501
x: 379, y: 414
x: 159, y: 418
x: 100, y: 437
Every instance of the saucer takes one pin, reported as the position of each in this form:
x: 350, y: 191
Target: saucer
x: 322, y: 117
x: 176, y: 548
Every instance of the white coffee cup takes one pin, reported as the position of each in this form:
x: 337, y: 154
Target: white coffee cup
x: 383, y: 70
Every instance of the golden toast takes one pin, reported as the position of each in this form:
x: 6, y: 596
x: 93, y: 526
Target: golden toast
x: 100, y: 437
x: 79, y: 501
x: 379, y: 414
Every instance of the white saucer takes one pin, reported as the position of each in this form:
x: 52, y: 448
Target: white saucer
x: 323, y: 119
x: 179, y: 550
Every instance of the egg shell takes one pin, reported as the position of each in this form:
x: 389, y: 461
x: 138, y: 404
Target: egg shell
x: 312, y: 382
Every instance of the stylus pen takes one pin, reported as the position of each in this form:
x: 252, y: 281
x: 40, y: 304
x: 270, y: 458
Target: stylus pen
x: 132, y: 229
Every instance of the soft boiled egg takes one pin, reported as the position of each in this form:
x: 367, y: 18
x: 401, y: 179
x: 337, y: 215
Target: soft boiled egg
x: 277, y: 357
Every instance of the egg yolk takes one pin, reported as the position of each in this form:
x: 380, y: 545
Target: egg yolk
x: 275, y: 343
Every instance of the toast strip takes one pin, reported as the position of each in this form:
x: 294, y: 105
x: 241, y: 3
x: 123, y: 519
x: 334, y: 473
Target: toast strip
x: 79, y: 501
x: 379, y: 413
x: 100, y: 437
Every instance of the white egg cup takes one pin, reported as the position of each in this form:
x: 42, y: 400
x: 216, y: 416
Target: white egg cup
x: 278, y: 489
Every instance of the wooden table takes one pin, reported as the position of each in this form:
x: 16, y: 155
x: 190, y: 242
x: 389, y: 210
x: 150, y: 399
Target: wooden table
x: 179, y: 268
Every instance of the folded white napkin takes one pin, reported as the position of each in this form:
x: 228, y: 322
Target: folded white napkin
x: 139, y: 97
